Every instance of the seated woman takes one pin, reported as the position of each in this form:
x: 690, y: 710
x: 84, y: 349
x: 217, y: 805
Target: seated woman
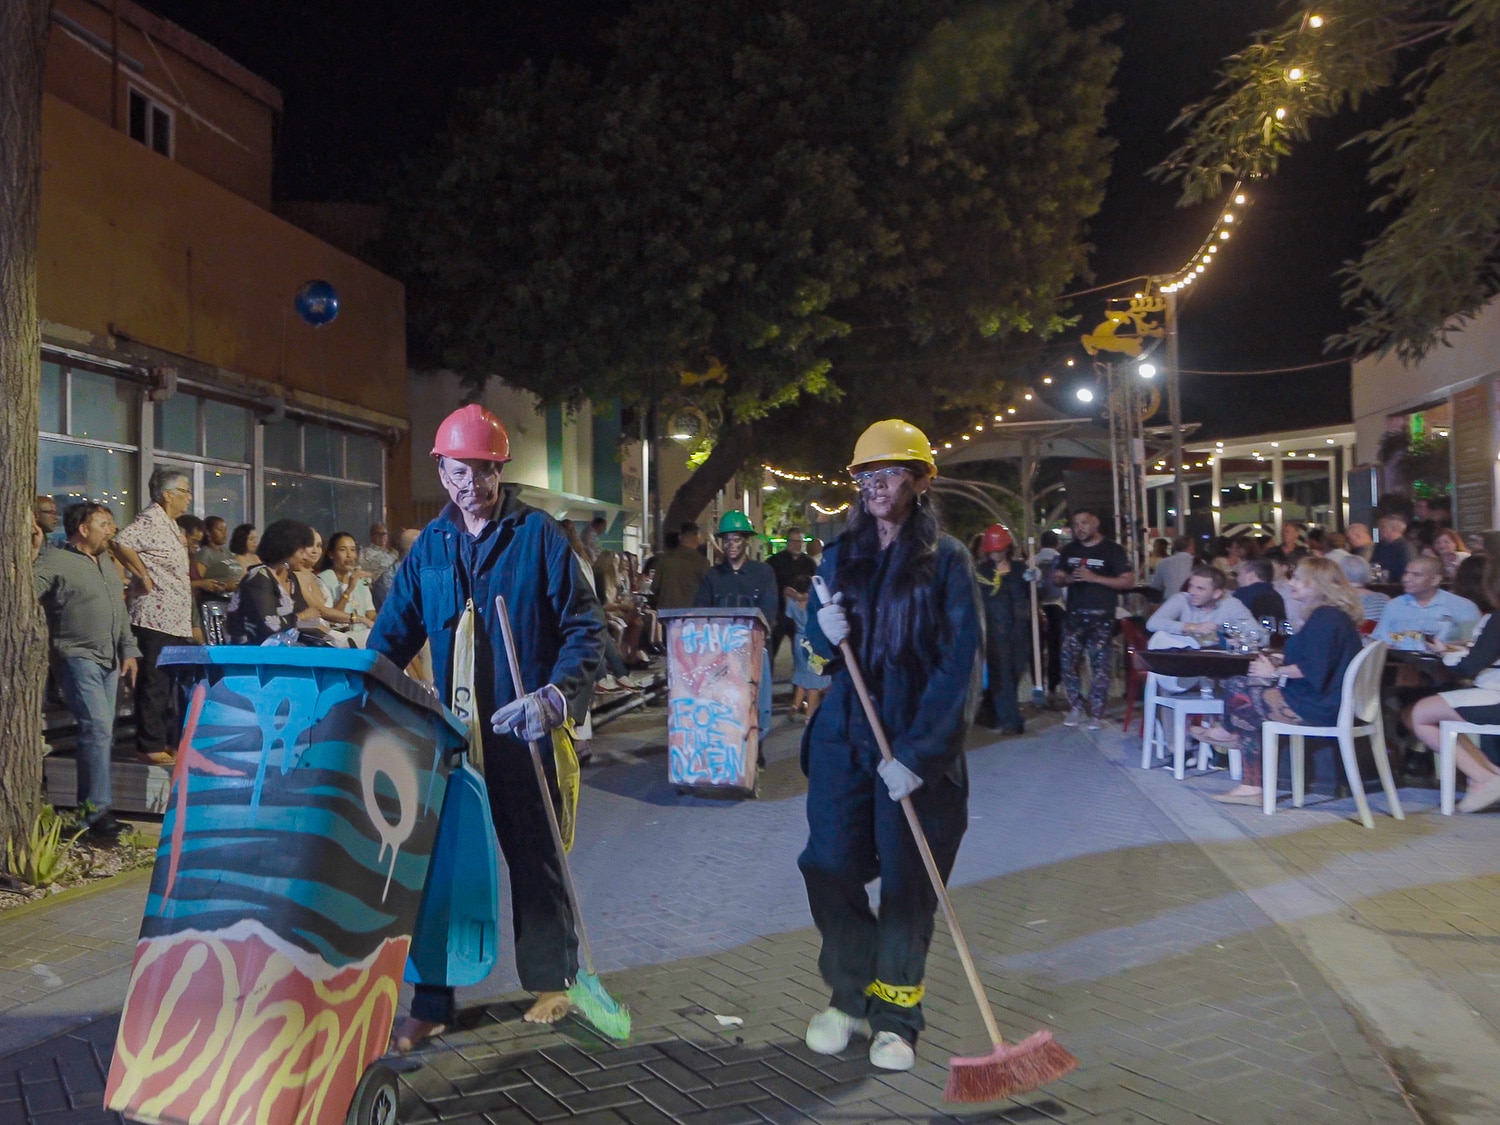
x: 1306, y: 686
x: 346, y: 588
x: 313, y: 610
x: 262, y: 604
x: 1477, y: 704
x: 612, y: 584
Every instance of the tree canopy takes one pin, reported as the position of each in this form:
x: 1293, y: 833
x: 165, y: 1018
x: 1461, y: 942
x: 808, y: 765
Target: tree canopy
x: 861, y: 199
x: 1436, y: 159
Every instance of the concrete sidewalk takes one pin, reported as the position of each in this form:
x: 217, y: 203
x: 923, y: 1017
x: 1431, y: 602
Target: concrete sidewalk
x: 1180, y: 949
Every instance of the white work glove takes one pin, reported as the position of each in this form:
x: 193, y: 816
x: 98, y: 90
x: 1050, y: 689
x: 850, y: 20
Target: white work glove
x: 1032, y: 574
x: 834, y: 621
x: 531, y: 716
x: 898, y: 779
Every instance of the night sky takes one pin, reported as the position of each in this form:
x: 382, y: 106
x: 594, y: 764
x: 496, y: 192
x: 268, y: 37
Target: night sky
x: 367, y: 82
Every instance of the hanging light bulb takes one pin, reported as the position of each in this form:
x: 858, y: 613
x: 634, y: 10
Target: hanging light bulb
x: 1012, y: 409
x: 1047, y: 379
x: 1281, y: 113
x: 1229, y: 216
x: 1295, y: 74
x: 1085, y: 394
x: 1240, y: 199
x: 1223, y: 236
x: 1027, y: 396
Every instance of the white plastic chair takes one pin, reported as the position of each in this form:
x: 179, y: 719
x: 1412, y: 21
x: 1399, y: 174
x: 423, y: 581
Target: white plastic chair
x: 1153, y: 732
x: 1447, y: 757
x: 1359, y: 715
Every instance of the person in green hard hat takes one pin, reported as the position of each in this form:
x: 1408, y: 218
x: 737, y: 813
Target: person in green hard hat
x: 744, y: 583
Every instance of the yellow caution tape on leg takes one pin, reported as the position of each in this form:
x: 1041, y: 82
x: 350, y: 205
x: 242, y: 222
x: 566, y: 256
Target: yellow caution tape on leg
x: 901, y: 995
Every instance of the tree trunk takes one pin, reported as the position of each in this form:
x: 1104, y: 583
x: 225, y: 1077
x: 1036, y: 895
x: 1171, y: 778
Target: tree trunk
x: 734, y: 446
x: 23, y: 637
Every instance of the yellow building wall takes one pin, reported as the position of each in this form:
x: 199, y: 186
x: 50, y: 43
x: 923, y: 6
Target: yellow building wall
x: 220, y: 130
x: 135, y: 245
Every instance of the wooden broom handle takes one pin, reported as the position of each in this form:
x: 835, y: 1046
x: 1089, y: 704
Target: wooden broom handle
x: 541, y: 780
x: 933, y: 874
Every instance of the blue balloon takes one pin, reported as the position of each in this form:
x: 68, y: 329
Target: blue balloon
x: 317, y: 303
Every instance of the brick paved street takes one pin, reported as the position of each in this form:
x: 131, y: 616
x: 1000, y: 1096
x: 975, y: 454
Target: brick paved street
x: 1170, y: 944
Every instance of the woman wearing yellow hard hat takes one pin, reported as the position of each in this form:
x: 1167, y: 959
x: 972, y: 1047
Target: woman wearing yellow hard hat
x: 905, y: 599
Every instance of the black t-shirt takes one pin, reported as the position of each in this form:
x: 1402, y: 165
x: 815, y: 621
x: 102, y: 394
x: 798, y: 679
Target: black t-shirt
x: 1106, y: 558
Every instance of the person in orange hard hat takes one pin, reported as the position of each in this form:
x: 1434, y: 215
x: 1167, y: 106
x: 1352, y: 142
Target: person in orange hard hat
x: 1007, y: 628
x: 903, y: 596
x: 487, y: 543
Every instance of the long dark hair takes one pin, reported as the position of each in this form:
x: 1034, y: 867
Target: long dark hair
x: 909, y: 627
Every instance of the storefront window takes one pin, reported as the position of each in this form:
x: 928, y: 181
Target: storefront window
x: 69, y: 472
x: 177, y: 424
x: 282, y: 442
x: 364, y: 458
x: 52, y: 398
x: 226, y: 431
x: 103, y: 407
x: 323, y: 450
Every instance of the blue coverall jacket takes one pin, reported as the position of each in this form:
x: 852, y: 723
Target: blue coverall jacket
x: 558, y: 624
x: 925, y: 716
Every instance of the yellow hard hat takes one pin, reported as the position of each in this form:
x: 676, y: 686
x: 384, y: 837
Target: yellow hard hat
x: 893, y: 440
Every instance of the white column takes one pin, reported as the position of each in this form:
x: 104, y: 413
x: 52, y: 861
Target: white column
x: 1333, y: 488
x: 1217, y: 502
x: 1276, y: 493
x: 1348, y: 467
x: 1161, y: 510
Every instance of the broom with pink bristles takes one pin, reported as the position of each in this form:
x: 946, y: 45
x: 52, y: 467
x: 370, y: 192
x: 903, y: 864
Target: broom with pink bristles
x: 1010, y: 1068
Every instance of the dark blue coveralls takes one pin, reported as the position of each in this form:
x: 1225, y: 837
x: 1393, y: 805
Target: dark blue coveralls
x: 874, y: 965
x: 753, y: 586
x: 559, y: 630
x: 1007, y: 638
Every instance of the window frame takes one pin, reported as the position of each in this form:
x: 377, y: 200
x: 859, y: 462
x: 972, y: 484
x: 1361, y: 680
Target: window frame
x: 153, y: 108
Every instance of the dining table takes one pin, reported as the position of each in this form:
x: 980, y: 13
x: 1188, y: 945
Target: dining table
x: 1204, y: 663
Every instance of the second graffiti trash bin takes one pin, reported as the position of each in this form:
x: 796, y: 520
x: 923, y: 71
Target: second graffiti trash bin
x: 292, y: 863
x: 714, y: 668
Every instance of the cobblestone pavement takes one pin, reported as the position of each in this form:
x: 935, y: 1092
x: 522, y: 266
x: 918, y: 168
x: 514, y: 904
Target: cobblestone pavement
x: 1092, y: 911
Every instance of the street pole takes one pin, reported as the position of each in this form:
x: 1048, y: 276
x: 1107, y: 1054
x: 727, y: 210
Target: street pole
x: 1174, y: 407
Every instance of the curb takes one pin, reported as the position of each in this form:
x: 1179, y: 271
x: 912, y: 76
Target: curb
x: 74, y: 894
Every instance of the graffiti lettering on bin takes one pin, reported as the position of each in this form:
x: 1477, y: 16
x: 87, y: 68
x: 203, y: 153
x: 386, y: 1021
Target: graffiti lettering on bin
x: 707, y: 741
x: 713, y: 637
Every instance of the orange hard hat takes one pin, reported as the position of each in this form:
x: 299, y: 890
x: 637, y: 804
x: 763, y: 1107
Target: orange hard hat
x: 472, y: 433
x: 996, y: 538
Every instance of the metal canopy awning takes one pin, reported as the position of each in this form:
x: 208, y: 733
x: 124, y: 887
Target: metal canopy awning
x: 1036, y: 433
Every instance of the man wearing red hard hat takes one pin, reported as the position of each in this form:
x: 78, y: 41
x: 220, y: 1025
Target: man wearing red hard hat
x: 1007, y: 619
x: 483, y: 544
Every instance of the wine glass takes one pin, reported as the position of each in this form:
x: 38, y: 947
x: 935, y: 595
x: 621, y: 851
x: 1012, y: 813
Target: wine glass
x: 1267, y: 630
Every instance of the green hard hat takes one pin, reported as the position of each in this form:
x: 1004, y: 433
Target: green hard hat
x: 736, y: 521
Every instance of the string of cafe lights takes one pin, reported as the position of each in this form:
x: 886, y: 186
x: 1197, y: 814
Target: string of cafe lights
x: 1195, y: 267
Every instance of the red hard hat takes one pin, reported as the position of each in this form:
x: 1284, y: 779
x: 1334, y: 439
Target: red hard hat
x: 472, y: 433
x: 996, y: 538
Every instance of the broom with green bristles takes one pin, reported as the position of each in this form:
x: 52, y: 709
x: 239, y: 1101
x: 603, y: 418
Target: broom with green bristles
x: 587, y: 993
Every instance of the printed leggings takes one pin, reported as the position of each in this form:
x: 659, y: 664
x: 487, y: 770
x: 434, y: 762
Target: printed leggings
x: 1087, y: 634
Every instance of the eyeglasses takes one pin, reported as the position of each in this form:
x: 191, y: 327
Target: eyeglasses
x: 460, y: 473
x: 892, y: 475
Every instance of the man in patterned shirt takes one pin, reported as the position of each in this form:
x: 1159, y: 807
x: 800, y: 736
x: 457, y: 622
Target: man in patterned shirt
x: 161, y: 605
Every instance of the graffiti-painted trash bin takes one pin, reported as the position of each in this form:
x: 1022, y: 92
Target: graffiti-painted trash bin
x: 714, y: 668
x: 303, y: 815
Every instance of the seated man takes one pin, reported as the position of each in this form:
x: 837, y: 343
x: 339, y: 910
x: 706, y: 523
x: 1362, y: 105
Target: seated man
x: 1201, y: 607
x: 1255, y: 589
x: 1426, y: 610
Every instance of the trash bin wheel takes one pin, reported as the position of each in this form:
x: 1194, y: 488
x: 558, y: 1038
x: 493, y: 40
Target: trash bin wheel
x: 376, y: 1099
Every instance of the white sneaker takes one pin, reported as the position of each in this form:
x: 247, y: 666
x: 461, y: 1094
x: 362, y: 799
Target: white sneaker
x: 889, y: 1051
x: 1096, y: 724
x: 829, y: 1031
x: 1075, y: 716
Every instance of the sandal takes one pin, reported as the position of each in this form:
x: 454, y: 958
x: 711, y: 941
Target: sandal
x: 1216, y: 735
